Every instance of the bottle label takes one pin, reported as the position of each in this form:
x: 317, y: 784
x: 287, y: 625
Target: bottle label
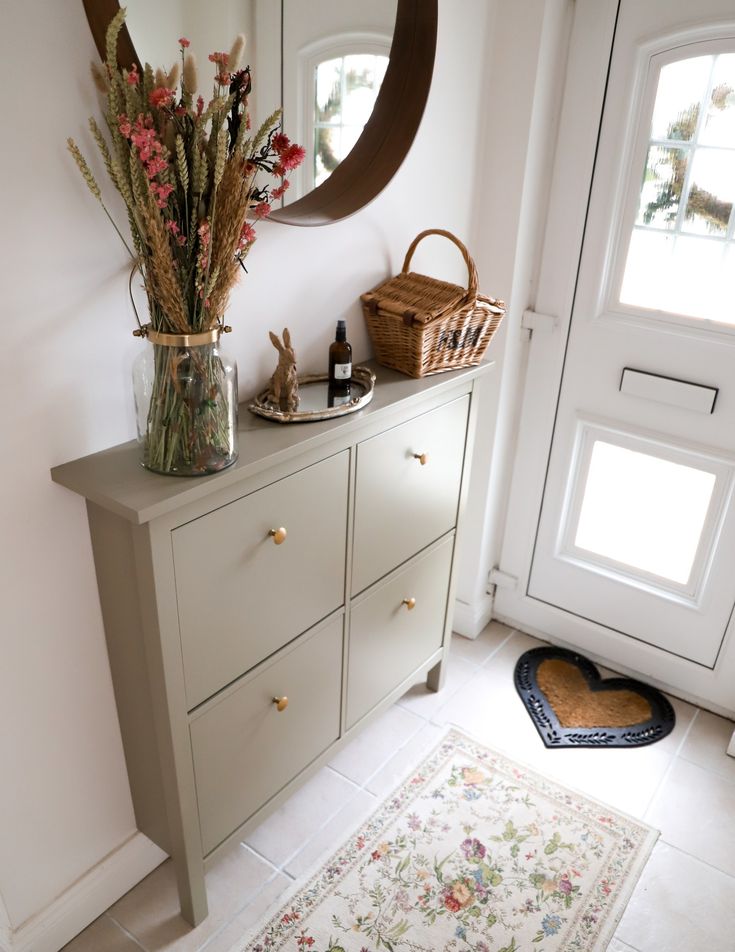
x: 339, y: 401
x: 342, y: 371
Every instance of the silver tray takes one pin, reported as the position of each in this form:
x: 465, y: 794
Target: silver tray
x: 314, y: 400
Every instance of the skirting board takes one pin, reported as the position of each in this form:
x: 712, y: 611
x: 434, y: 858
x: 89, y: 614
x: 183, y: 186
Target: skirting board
x: 470, y: 619
x: 52, y: 927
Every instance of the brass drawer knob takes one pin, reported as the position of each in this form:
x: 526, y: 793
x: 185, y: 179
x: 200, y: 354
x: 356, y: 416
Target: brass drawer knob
x: 278, y: 535
x: 422, y: 458
x: 410, y: 603
x: 281, y: 703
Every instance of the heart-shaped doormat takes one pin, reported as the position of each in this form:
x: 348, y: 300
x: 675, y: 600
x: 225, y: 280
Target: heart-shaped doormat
x: 572, y: 706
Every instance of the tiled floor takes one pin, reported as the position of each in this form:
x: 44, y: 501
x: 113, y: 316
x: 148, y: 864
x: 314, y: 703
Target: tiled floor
x: 684, y: 786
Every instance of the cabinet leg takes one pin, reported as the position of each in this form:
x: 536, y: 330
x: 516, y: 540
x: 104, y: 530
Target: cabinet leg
x: 437, y: 676
x: 192, y: 892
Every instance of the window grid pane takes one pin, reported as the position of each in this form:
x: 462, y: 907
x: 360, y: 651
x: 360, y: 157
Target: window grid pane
x: 688, y: 189
x: 346, y: 89
x: 643, y: 511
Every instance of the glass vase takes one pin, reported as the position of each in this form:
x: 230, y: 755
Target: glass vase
x: 185, y: 392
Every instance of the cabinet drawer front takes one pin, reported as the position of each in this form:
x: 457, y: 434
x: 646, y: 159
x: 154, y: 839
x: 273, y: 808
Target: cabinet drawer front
x: 401, y: 505
x: 245, y: 750
x: 387, y: 639
x: 241, y: 596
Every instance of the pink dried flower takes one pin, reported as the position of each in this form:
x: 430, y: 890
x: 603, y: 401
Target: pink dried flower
x: 162, y: 192
x: 292, y: 156
x: 280, y: 142
x: 247, y: 236
x: 279, y: 169
x: 262, y: 210
x: 223, y: 79
x: 183, y: 42
x: 155, y: 166
x: 278, y: 192
x: 123, y: 124
x: 133, y: 78
x: 173, y: 227
x: 160, y: 97
x: 200, y: 105
x: 143, y: 137
x: 205, y: 236
x: 204, y: 233
x: 220, y: 58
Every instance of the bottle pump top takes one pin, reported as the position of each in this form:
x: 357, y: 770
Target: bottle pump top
x: 341, y: 330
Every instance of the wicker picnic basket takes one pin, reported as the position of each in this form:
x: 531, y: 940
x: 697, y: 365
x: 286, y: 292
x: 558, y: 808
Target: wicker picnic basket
x: 423, y: 326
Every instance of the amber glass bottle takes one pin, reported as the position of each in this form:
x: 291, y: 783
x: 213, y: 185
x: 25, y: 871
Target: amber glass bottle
x: 340, y: 363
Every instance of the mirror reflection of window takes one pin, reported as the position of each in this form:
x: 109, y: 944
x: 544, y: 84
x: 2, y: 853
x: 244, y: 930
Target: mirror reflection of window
x: 345, y: 90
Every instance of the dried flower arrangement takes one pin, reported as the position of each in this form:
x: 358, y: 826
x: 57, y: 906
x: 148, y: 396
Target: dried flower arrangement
x: 187, y: 174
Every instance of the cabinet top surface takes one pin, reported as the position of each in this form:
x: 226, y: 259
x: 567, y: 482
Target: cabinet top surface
x: 115, y: 479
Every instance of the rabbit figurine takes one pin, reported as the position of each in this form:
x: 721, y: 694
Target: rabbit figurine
x: 284, y: 386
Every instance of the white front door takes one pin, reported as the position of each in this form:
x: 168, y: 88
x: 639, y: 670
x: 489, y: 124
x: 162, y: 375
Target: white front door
x: 634, y: 537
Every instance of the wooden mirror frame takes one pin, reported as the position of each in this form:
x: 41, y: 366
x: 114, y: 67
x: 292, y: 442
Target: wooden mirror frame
x: 388, y: 134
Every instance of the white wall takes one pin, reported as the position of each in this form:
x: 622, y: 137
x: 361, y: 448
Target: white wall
x: 64, y: 380
x: 209, y: 25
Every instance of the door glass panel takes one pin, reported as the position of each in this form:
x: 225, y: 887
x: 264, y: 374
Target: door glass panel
x: 661, y: 189
x: 711, y: 192
x: 681, y: 88
x: 684, y: 229
x: 719, y: 124
x: 643, y: 511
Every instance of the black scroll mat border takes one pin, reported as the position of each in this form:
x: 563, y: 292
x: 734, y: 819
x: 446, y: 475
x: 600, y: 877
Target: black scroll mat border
x: 551, y: 731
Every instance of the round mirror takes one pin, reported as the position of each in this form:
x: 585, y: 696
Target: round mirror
x: 352, y: 82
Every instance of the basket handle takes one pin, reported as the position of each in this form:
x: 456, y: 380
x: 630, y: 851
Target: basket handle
x: 472, y: 282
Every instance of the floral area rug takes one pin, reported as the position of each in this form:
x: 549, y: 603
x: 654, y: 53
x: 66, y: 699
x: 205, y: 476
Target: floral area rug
x: 472, y: 852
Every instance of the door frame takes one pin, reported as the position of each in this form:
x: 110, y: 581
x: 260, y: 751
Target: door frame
x: 590, y: 50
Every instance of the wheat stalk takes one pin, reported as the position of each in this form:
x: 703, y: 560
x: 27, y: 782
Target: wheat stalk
x: 102, y: 146
x: 160, y: 275
x: 262, y: 133
x: 182, y: 166
x: 113, y: 32
x: 219, y: 156
x: 93, y: 186
x: 84, y: 169
x: 219, y: 295
x: 149, y: 82
x: 203, y: 173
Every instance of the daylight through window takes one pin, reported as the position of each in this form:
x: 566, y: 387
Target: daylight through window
x: 681, y: 256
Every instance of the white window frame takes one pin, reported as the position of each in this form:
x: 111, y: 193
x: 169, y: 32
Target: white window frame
x: 589, y: 431
x: 624, y: 211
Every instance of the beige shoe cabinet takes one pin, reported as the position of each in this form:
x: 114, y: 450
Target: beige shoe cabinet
x: 257, y: 619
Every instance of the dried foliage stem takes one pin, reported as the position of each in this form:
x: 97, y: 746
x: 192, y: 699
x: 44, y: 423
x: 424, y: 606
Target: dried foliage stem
x: 186, y: 171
